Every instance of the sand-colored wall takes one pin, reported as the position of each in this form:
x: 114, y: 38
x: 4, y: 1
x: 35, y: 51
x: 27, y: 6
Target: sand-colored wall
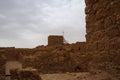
x: 103, y: 33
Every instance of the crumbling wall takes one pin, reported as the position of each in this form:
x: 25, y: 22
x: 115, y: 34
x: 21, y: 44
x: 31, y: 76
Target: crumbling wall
x: 103, y: 33
x: 59, y: 58
x: 7, y: 54
x: 52, y: 59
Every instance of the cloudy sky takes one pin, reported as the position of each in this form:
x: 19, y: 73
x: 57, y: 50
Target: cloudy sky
x: 27, y: 23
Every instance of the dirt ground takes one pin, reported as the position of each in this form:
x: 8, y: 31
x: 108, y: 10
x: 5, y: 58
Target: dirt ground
x: 77, y: 76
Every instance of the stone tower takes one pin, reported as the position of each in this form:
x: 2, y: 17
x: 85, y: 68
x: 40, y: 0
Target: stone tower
x: 55, y: 40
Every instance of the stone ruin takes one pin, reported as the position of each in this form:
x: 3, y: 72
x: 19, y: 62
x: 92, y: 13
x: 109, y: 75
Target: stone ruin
x: 100, y: 52
x: 25, y: 74
x: 55, y: 40
x: 11, y: 65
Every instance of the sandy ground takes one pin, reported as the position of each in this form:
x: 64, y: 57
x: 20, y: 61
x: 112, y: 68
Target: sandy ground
x: 66, y: 76
x: 77, y: 76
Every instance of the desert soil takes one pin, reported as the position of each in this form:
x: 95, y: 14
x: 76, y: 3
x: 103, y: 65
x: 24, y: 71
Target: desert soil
x: 76, y: 76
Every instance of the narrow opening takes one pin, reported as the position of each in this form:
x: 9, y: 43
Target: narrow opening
x: 77, y: 69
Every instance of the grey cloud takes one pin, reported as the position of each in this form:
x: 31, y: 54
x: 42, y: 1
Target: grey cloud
x: 25, y: 20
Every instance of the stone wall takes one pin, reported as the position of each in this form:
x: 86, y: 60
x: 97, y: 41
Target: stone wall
x: 53, y: 59
x: 103, y: 33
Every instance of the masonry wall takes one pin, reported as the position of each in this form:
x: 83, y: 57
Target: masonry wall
x: 103, y: 32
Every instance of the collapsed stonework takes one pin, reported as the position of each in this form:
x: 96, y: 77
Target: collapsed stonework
x: 25, y: 74
x: 49, y: 59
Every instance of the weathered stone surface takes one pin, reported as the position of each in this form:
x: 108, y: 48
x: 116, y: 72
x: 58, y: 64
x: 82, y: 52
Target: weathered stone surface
x: 103, y: 34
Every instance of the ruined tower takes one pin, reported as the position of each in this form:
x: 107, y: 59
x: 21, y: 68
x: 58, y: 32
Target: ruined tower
x: 55, y: 40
